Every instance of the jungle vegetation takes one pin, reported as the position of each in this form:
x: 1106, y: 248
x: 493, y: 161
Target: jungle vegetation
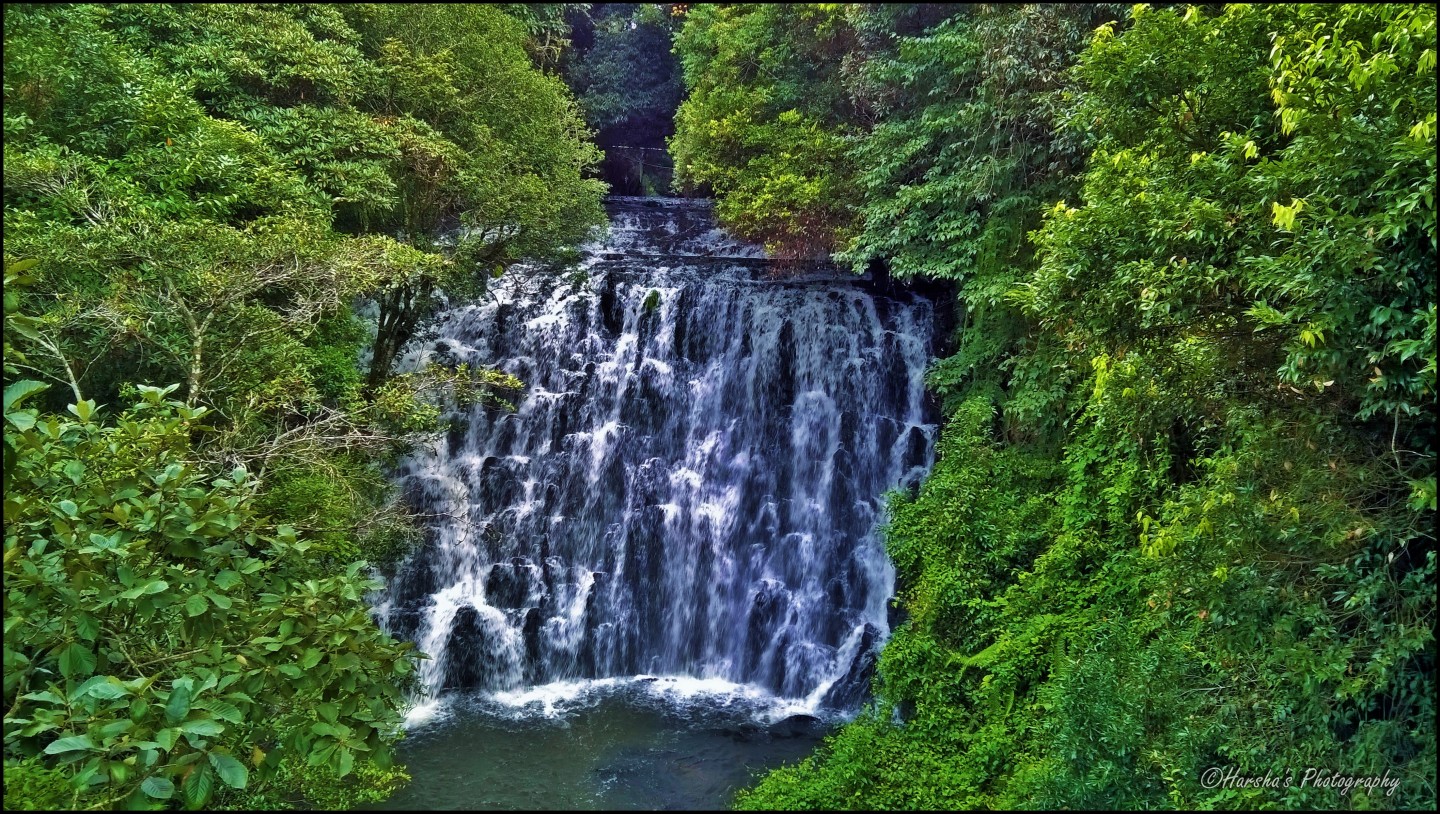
x: 1183, y: 511
x: 197, y: 417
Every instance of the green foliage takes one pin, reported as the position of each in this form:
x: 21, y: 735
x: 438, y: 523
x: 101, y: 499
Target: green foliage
x: 161, y: 640
x: 963, y: 157
x: 203, y: 194
x: 546, y: 27
x: 29, y: 786
x: 628, y: 75
x: 1189, y: 524
x: 627, y: 80
x: 765, y: 121
x: 1294, y: 242
x: 250, y: 131
x: 507, y: 155
x: 319, y: 788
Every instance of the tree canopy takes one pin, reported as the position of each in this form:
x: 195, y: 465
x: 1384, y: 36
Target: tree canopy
x: 197, y: 198
x: 1182, y: 514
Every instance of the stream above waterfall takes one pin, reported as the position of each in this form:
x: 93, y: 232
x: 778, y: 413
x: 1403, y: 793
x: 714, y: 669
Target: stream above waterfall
x: 682, y: 510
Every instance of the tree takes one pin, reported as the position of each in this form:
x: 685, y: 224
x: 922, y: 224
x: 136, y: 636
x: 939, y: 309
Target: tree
x: 765, y: 123
x: 627, y: 81
x: 1216, y: 344
x: 504, y: 149
x: 202, y: 193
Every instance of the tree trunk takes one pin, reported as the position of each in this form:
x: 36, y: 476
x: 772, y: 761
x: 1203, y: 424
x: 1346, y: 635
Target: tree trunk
x: 399, y: 312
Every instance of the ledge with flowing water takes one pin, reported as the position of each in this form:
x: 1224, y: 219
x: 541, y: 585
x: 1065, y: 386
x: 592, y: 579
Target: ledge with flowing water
x: 687, y: 496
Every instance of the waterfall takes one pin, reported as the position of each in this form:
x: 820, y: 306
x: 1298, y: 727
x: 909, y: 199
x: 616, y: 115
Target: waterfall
x: 691, y: 484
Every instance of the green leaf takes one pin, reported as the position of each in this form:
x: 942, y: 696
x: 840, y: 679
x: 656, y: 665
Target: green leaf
x: 204, y: 727
x: 16, y: 393
x: 158, y: 787
x: 103, y: 687
x: 223, y: 710
x: 155, y: 587
x: 230, y: 770
x: 310, y: 659
x: 87, y: 627
x: 83, y: 409
x: 166, y: 738
x: 179, y: 704
x: 77, y: 661
x: 115, y: 728
x: 221, y: 601
x: 195, y: 605
x: 74, y: 743
x: 198, y: 786
x: 346, y: 761
x: 22, y: 422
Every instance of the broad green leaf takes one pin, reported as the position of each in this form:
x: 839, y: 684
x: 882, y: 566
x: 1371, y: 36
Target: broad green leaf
x: 83, y: 409
x: 231, y: 771
x: 103, y: 687
x: 154, y: 587
x: 158, y: 787
x: 346, y: 761
x: 74, y: 743
x: 16, y: 393
x: 223, y: 710
x: 166, y: 738
x: 179, y: 704
x: 77, y: 661
x: 204, y: 727
x: 195, y: 605
x: 198, y: 785
x: 115, y: 728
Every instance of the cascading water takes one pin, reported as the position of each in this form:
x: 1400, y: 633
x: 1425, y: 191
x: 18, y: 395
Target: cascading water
x: 690, y: 486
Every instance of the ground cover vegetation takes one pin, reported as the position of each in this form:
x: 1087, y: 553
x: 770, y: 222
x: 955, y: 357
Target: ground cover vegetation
x: 197, y: 414
x: 1183, y: 511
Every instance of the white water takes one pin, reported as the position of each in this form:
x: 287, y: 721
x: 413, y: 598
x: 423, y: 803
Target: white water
x: 685, y: 502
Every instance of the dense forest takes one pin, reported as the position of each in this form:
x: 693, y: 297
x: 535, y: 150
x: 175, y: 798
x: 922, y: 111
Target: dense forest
x: 196, y: 196
x: 1182, y: 514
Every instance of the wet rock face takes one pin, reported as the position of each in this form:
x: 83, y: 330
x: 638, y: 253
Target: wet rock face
x: 467, y: 647
x: 691, y: 482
